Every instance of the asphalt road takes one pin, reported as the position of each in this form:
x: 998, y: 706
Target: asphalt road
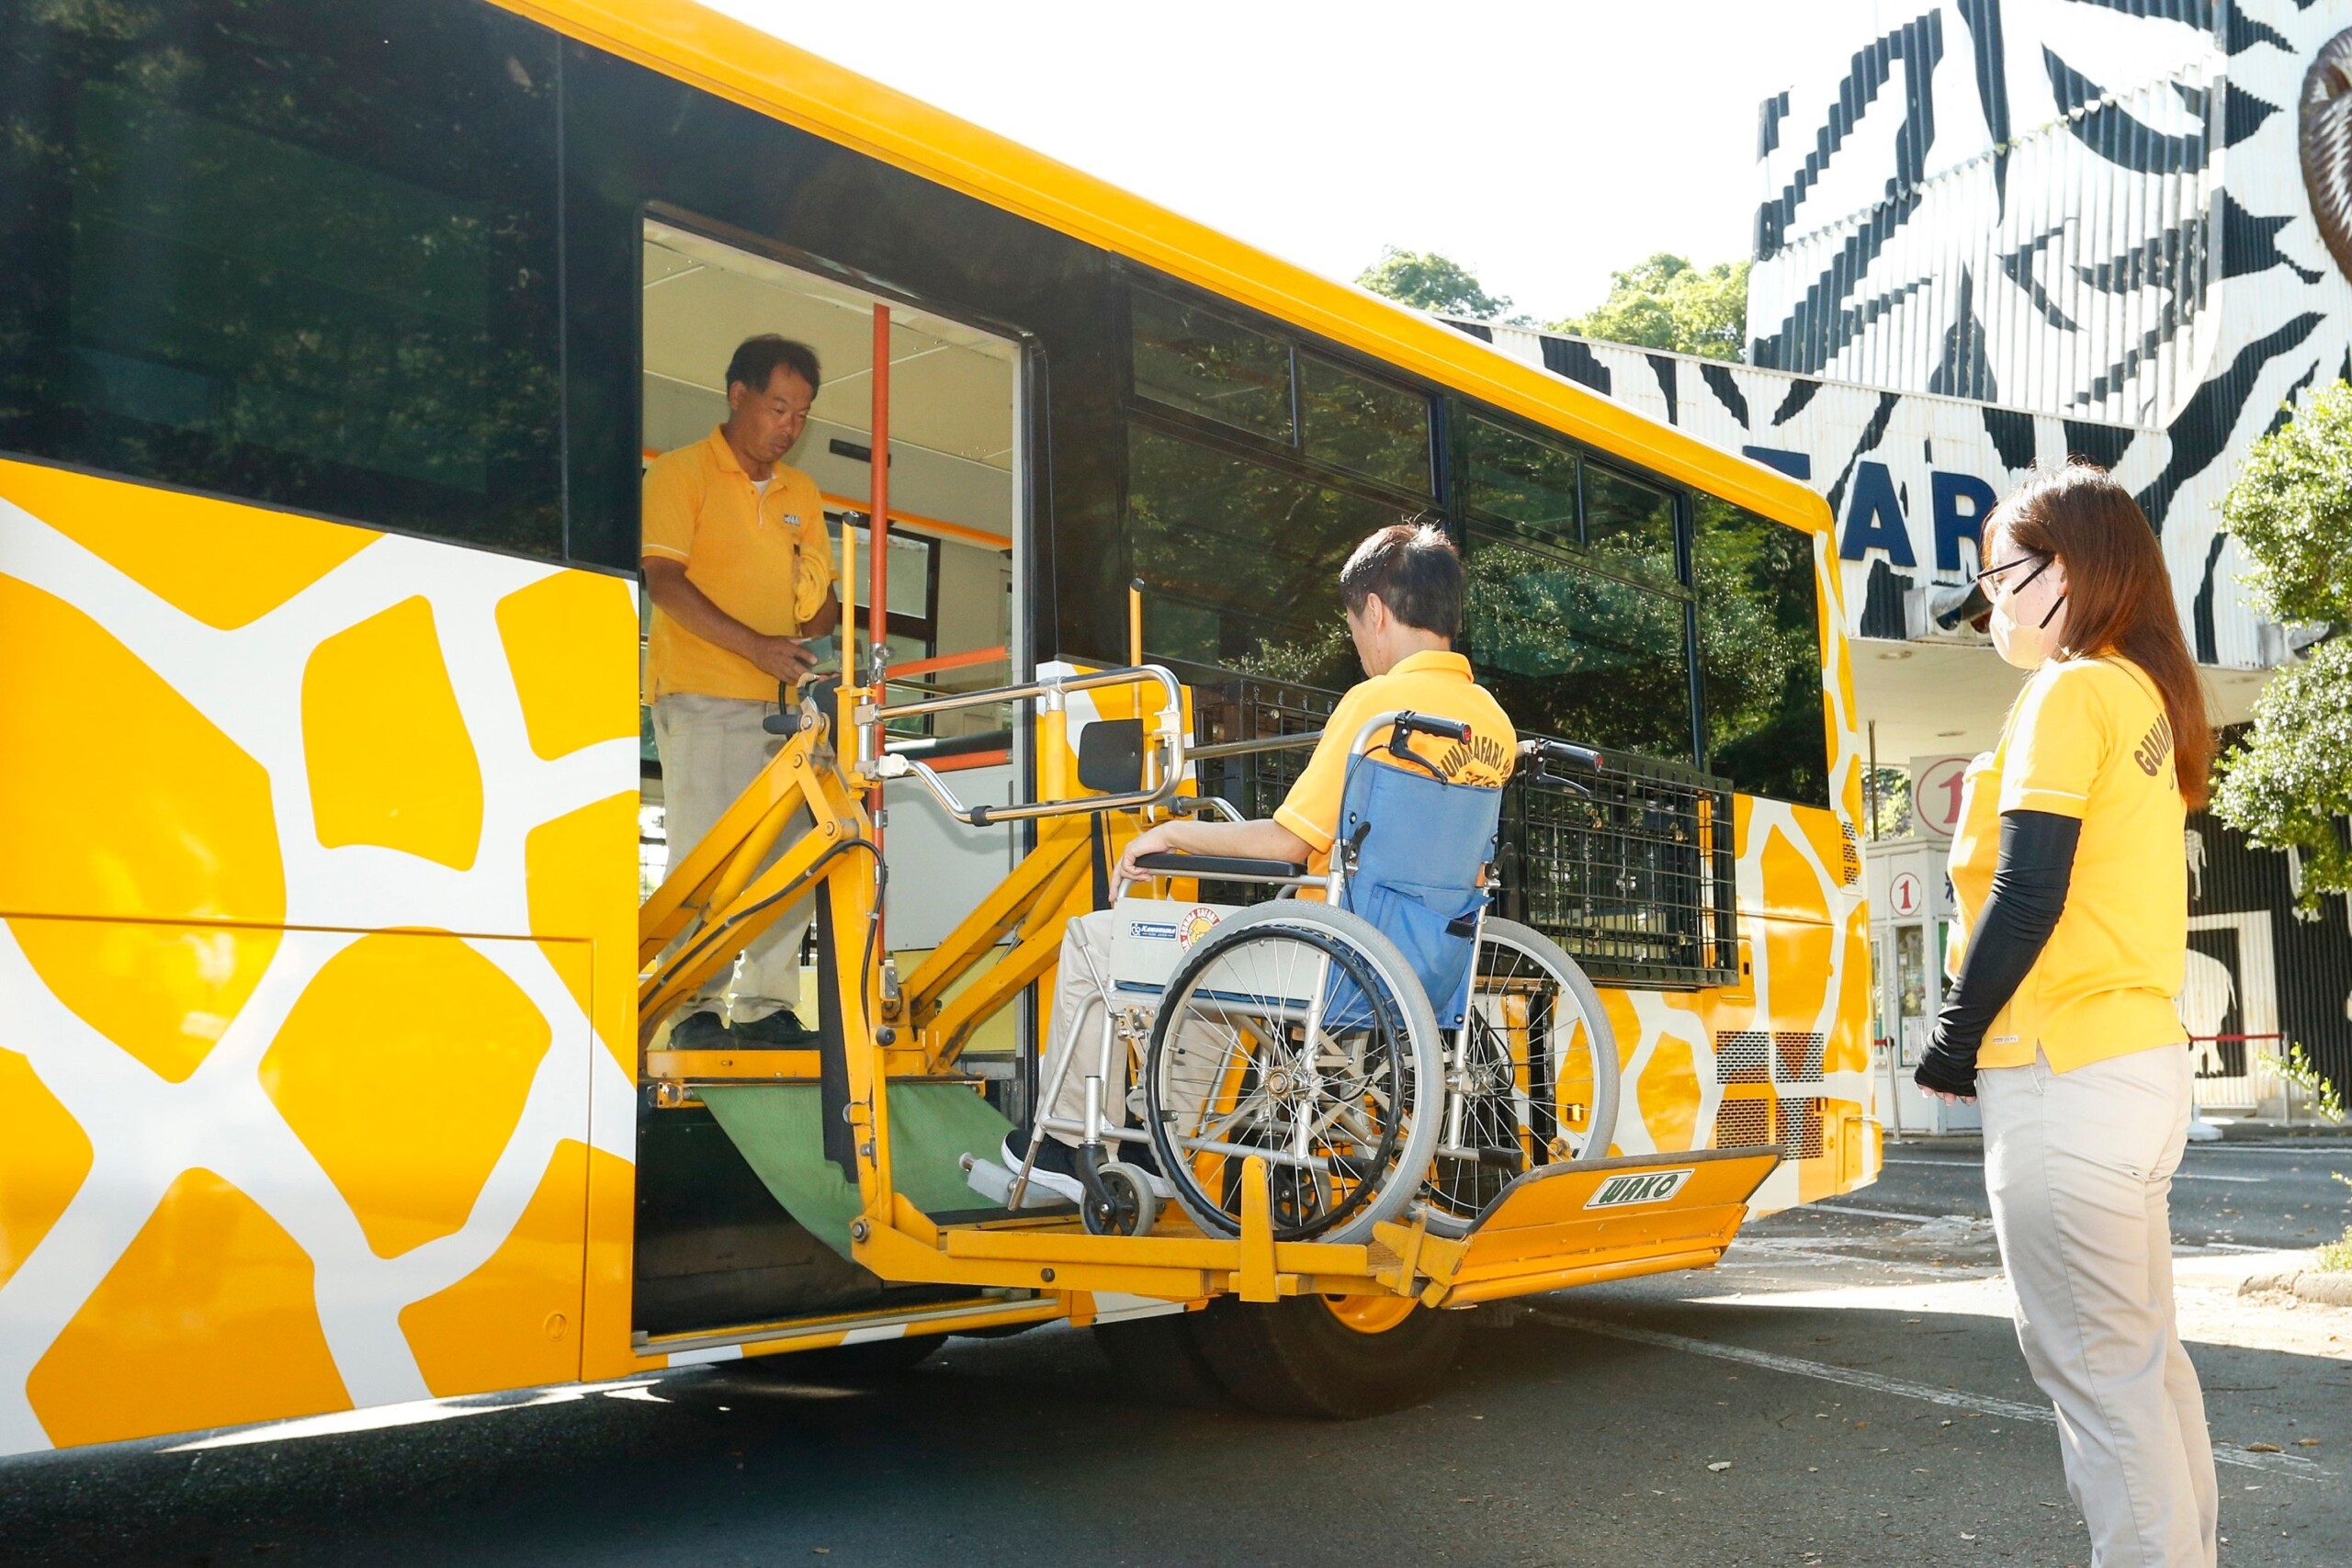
x: 1845, y: 1389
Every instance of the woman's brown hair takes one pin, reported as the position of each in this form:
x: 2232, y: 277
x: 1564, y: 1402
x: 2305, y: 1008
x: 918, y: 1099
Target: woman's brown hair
x: 2118, y: 596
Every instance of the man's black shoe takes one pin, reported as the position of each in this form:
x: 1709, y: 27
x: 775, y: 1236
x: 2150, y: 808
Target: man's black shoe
x: 701, y: 1031
x: 780, y: 1030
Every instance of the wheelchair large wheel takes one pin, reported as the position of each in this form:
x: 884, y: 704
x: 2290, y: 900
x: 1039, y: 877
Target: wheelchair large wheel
x: 1534, y: 1074
x: 1298, y: 1033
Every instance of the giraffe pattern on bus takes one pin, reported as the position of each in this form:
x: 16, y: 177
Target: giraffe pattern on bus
x: 304, y: 954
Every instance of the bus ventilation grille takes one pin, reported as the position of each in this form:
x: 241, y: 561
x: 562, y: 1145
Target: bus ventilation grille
x: 1800, y: 1056
x: 1800, y: 1129
x: 1744, y: 1055
x: 1850, y: 856
x: 1743, y: 1124
x: 1751, y: 1055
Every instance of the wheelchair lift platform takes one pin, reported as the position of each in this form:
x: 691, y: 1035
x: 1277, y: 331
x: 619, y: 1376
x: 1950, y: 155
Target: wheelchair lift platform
x: 862, y: 1138
x: 1552, y: 1228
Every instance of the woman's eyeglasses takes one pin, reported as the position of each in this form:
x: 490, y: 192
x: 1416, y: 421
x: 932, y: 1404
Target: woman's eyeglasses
x: 1994, y: 589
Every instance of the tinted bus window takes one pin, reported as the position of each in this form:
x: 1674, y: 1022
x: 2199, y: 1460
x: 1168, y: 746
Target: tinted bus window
x: 1356, y: 423
x: 1570, y: 652
x: 1629, y: 526
x: 298, y: 254
x: 1759, y: 654
x: 1203, y: 364
x: 1243, y: 561
x: 1530, y: 483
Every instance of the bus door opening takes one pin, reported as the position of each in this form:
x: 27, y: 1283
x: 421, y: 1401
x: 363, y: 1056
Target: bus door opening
x: 714, y: 1248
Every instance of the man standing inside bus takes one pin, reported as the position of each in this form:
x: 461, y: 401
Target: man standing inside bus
x: 741, y: 572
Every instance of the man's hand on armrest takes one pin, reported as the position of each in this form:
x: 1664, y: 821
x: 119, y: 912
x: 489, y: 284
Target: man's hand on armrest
x: 1241, y: 840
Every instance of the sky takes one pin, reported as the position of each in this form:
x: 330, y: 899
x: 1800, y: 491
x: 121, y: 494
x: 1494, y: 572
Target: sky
x: 1542, y: 145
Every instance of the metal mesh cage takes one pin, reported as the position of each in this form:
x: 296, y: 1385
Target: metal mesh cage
x: 1634, y: 878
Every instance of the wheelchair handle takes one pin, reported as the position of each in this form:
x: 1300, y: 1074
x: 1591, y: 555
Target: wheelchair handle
x: 1564, y: 751
x: 1400, y: 725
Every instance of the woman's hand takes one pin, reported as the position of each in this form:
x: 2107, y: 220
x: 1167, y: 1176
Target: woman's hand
x: 1953, y: 1098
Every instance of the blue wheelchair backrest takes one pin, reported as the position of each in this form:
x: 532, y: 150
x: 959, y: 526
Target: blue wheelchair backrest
x: 1416, y: 845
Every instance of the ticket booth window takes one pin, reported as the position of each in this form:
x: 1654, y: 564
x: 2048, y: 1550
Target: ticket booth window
x: 1910, y: 991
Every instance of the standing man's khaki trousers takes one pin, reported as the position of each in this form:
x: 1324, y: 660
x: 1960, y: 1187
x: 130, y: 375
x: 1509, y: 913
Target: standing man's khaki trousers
x: 2079, y: 1165
x: 711, y: 748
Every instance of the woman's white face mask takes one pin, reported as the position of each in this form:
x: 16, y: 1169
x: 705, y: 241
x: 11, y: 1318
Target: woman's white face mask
x: 2022, y: 638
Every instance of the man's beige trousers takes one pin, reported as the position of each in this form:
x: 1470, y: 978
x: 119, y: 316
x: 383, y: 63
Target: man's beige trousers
x: 2079, y: 1165
x: 711, y: 748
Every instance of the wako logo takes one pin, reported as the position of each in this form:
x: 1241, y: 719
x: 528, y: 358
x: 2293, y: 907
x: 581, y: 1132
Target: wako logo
x: 1638, y: 1187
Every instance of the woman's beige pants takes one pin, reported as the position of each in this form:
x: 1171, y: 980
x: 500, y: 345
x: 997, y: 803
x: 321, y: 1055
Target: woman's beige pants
x: 2079, y: 1166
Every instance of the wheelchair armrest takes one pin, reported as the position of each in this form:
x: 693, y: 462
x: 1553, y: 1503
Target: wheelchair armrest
x: 1219, y: 867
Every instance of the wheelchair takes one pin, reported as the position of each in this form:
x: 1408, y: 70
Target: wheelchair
x: 1393, y: 1049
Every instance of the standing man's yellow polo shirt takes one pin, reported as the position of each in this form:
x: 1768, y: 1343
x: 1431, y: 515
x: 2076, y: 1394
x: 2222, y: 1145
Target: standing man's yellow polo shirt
x: 765, y: 560
x: 2089, y: 739
x: 1437, y: 684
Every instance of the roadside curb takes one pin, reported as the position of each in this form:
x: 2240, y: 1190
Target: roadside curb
x: 2328, y: 1288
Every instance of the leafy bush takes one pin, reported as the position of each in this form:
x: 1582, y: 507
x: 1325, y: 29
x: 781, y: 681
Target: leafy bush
x: 2291, y: 513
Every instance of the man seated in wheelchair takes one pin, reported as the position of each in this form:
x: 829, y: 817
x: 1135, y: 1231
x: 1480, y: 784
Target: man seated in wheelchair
x: 1402, y: 590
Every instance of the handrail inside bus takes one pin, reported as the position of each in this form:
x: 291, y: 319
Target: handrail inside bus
x: 1298, y: 742
x: 1166, y: 738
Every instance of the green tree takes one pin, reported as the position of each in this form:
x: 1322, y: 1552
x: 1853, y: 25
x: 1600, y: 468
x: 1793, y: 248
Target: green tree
x: 1428, y: 281
x: 1666, y: 302
x: 2290, y: 512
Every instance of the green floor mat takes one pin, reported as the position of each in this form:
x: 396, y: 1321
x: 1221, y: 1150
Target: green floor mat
x: 933, y: 1126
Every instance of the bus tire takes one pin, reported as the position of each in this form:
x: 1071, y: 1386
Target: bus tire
x: 1308, y: 1356
x: 1161, y: 1358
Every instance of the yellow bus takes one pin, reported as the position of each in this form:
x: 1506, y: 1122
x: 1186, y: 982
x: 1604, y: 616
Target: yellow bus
x: 333, y: 1067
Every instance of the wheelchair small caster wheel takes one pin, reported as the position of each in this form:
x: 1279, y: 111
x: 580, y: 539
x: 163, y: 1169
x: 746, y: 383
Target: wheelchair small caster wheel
x: 1122, y: 1204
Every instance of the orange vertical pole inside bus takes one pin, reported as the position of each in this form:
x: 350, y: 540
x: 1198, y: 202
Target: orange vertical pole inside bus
x: 877, y: 563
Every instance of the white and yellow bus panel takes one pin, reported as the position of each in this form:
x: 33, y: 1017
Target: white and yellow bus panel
x: 335, y: 343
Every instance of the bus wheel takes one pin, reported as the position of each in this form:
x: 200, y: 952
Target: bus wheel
x: 869, y: 1362
x: 1159, y: 1357
x: 1339, y: 1358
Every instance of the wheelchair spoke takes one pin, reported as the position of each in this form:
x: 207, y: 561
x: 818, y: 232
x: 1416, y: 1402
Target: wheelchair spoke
x: 1283, y: 1041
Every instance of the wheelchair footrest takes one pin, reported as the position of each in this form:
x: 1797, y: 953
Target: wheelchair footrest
x: 1575, y: 1225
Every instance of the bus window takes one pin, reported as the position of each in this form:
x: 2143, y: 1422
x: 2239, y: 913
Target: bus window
x: 1528, y: 484
x: 1203, y: 364
x: 293, y: 254
x: 1570, y: 652
x: 1629, y: 526
x: 1759, y: 654
x: 1356, y: 423
x: 1243, y: 560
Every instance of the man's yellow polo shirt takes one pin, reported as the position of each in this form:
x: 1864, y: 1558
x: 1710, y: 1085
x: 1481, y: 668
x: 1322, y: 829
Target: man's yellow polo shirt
x: 1437, y: 684
x: 765, y: 560
x: 2087, y: 738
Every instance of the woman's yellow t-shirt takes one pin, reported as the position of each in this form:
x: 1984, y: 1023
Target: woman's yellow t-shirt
x: 2087, y: 738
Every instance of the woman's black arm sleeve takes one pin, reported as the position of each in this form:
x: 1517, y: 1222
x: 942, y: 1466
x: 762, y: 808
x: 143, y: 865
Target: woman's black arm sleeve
x: 2030, y: 880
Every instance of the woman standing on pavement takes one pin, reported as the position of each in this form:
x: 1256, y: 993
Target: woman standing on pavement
x: 2072, y: 890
